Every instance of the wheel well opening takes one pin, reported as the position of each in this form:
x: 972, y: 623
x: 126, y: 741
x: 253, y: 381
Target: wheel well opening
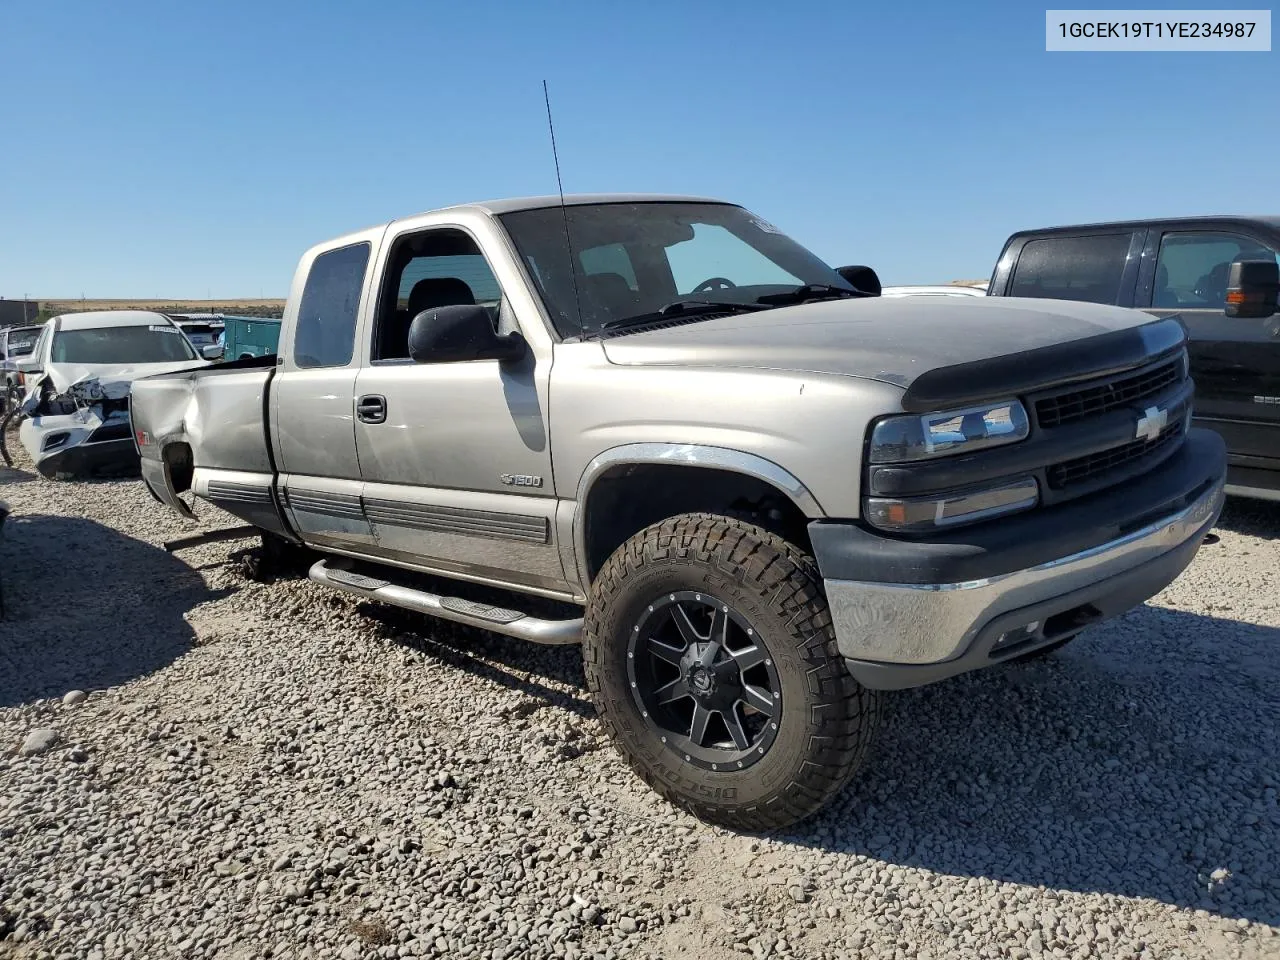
x: 181, y: 466
x: 630, y: 497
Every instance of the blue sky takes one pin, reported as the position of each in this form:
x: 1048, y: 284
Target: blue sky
x: 184, y: 150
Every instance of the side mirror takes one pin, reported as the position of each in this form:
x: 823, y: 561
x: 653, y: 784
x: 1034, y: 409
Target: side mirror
x: 861, y: 278
x: 212, y: 351
x: 1252, y: 288
x: 458, y: 333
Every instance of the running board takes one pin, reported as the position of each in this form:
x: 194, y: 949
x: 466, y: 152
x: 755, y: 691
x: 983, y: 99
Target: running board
x: 512, y: 623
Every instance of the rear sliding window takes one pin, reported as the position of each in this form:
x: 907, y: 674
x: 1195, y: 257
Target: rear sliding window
x: 1072, y: 268
x: 325, y: 331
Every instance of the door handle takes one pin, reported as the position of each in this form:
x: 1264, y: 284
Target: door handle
x: 371, y: 408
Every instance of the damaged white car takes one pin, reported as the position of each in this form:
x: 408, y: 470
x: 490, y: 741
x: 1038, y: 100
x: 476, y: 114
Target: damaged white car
x: 77, y: 406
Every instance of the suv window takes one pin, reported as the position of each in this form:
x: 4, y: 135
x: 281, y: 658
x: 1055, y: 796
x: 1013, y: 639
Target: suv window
x: 1072, y: 268
x: 1192, y: 268
x: 325, y: 331
x: 434, y: 268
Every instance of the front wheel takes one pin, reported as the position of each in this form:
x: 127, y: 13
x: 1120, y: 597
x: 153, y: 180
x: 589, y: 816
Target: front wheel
x: 712, y: 662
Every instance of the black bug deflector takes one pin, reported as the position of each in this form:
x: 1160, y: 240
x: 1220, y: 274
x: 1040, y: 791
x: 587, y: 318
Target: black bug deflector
x: 1034, y: 371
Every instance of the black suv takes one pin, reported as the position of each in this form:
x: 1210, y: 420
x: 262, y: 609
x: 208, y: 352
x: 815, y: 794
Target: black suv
x: 1219, y: 274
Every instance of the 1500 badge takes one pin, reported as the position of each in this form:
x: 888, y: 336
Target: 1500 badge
x: 521, y: 480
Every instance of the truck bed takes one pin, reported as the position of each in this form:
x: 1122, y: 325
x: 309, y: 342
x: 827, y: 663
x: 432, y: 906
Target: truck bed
x: 205, y: 431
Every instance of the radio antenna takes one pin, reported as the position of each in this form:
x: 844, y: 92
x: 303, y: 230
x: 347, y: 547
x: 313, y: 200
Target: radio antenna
x: 564, y: 210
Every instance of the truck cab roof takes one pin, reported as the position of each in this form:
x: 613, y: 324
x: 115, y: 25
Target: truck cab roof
x: 517, y: 204
x: 1272, y: 221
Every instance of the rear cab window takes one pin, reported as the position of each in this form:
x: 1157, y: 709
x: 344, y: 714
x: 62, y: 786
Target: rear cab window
x: 1089, y: 268
x: 325, y: 330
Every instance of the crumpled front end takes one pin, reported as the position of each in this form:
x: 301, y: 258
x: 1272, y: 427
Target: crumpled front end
x: 78, y: 429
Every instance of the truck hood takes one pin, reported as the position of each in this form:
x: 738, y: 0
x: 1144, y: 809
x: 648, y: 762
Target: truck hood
x: 899, y: 340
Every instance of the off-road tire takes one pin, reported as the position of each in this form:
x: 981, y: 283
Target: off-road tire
x: 828, y: 720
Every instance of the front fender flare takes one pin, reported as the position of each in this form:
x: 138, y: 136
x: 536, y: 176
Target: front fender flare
x: 684, y: 454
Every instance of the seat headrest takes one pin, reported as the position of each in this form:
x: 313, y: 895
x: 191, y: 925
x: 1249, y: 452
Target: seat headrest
x: 612, y: 285
x: 438, y: 292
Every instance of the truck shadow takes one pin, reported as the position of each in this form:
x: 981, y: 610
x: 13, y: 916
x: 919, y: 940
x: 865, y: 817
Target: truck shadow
x: 513, y: 664
x: 1141, y: 761
x: 1254, y: 518
x: 82, y: 610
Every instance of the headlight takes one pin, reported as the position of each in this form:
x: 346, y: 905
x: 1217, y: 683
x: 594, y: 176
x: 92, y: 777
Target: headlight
x: 944, y: 510
x: 922, y: 436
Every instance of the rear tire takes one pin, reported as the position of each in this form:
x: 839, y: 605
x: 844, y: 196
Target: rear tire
x: 800, y: 726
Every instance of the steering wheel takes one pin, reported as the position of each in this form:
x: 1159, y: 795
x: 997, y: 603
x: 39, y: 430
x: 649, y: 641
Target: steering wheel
x: 714, y: 283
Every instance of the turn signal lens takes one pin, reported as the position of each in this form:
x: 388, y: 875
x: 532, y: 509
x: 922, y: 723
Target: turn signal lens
x: 960, y: 507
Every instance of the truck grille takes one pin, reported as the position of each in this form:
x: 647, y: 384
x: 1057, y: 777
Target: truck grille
x: 1096, y: 466
x: 1124, y: 391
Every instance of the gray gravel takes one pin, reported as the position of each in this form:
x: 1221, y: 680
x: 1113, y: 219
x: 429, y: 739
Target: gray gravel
x: 274, y: 770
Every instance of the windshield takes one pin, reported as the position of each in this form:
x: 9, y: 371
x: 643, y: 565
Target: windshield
x: 631, y: 259
x: 22, y: 342
x: 152, y: 344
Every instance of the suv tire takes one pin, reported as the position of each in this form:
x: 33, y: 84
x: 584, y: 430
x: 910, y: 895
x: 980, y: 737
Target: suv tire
x: 696, y: 611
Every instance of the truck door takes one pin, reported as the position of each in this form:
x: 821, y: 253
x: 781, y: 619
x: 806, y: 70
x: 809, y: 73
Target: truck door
x: 1235, y: 362
x: 455, y: 456
x: 313, y: 413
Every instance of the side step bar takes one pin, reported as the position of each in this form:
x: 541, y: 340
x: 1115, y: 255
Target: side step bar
x: 512, y: 623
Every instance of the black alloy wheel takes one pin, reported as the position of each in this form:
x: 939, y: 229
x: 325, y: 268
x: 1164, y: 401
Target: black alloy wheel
x: 704, y: 680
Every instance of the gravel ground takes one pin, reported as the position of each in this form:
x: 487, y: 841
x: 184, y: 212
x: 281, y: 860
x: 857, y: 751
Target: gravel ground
x: 273, y: 770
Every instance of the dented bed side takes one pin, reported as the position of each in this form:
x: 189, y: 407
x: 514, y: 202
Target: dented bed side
x: 204, y: 430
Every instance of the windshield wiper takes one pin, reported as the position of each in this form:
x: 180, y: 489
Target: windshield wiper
x: 682, y: 308
x: 810, y: 291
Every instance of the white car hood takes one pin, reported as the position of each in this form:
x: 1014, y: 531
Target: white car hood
x: 99, y: 381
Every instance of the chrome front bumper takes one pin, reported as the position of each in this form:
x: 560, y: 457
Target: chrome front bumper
x: 900, y: 635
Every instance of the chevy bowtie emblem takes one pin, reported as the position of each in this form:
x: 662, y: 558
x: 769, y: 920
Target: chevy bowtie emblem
x: 1152, y: 423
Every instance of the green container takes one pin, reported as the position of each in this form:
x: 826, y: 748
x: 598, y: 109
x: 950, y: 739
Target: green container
x: 249, y: 337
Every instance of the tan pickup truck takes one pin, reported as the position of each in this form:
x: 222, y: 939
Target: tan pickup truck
x: 755, y: 491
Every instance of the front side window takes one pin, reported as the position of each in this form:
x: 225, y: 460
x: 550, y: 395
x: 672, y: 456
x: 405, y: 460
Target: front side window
x: 325, y: 331
x: 1192, y: 268
x: 156, y: 343
x: 632, y: 259
x: 1072, y: 268
x: 435, y: 268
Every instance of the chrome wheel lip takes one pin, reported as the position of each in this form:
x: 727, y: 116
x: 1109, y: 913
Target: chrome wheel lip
x: 719, y: 685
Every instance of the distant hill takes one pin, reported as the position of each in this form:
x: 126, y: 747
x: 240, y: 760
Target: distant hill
x: 244, y: 308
